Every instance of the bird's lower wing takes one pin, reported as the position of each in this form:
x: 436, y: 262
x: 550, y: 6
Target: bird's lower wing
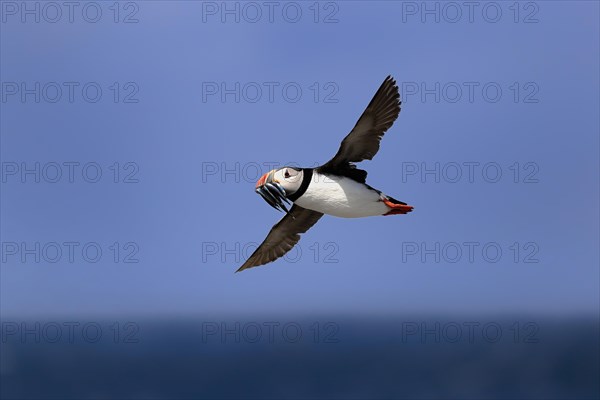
x: 283, y: 236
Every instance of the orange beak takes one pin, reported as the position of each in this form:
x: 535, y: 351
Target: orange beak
x: 263, y: 179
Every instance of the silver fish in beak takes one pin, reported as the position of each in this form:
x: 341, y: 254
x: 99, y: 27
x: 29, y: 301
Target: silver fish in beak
x: 272, y: 192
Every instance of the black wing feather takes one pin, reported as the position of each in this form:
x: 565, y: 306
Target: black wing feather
x: 283, y: 236
x: 362, y: 143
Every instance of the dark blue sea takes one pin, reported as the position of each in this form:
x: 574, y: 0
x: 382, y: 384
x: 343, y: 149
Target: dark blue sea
x: 512, y: 358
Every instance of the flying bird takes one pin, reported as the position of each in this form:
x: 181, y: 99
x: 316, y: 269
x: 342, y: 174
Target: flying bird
x: 336, y: 188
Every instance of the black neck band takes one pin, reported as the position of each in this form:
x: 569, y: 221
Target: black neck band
x: 307, y: 174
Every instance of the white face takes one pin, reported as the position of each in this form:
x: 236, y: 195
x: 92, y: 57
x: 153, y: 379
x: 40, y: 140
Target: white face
x: 289, y: 178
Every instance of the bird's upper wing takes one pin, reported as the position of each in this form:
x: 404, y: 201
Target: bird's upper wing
x: 362, y: 143
x: 283, y: 236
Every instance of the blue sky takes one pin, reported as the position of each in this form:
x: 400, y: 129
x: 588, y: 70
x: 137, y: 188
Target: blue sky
x: 189, y: 157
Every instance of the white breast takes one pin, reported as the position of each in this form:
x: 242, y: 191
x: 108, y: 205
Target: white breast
x: 341, y: 197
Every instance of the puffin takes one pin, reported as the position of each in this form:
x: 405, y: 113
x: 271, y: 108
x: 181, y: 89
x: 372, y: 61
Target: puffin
x: 336, y: 188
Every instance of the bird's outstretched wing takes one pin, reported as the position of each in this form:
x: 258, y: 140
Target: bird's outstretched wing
x: 283, y: 236
x: 362, y: 143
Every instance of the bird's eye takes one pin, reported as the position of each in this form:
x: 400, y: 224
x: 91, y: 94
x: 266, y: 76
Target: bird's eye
x: 286, y: 174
